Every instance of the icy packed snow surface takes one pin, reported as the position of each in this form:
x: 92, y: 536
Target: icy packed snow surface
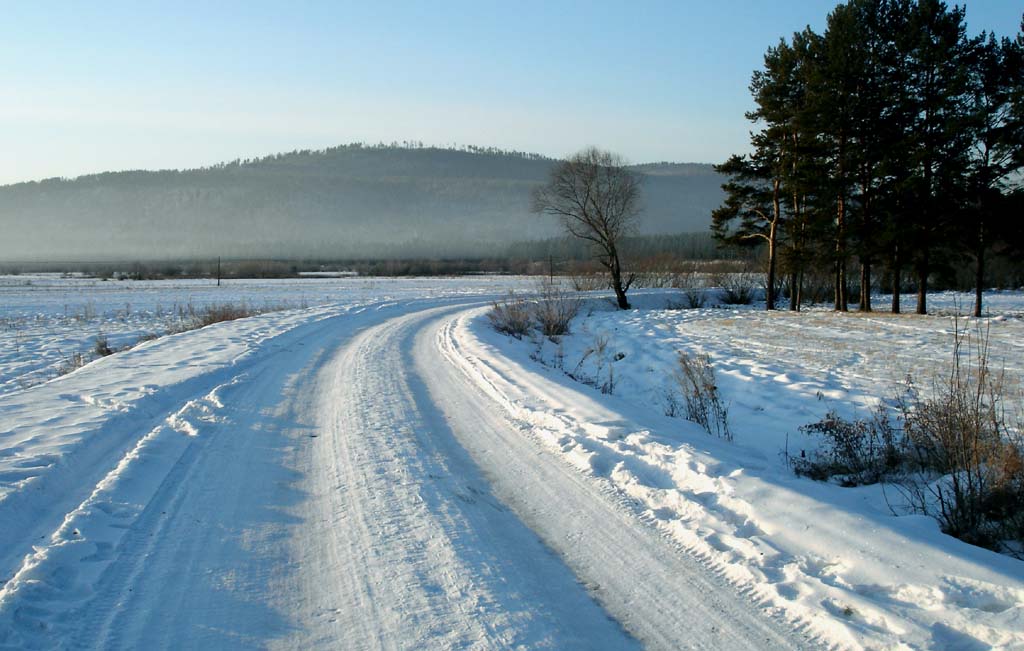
x: 376, y: 468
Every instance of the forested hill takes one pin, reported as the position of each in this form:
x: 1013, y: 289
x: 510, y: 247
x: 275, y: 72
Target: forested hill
x: 352, y: 201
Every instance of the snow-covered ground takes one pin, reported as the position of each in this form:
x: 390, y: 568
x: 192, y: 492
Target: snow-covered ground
x: 377, y: 468
x: 836, y: 559
x: 46, y: 319
x: 780, y: 370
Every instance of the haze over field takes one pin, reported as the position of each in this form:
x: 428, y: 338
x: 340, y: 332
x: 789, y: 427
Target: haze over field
x: 345, y: 202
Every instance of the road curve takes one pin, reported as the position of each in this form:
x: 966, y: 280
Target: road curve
x: 360, y: 492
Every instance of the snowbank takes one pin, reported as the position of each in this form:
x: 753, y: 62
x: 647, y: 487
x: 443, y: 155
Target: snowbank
x: 835, y: 561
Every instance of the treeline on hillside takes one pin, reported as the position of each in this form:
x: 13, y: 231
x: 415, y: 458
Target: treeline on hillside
x: 366, y: 202
x: 393, y: 146
x: 559, y: 255
x: 893, y: 143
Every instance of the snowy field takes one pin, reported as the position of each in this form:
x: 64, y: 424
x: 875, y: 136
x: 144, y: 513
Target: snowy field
x: 377, y: 468
x: 46, y: 319
x: 779, y: 370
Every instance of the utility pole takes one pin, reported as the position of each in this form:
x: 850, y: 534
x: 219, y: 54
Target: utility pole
x: 218, y: 271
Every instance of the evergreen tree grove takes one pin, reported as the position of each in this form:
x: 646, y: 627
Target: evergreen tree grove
x: 892, y: 141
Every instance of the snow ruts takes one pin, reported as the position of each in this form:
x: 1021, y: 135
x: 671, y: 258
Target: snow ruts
x: 665, y: 597
x: 358, y: 491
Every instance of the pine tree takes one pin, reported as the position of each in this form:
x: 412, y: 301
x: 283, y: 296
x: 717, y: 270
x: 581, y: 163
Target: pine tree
x: 995, y: 69
x: 938, y: 53
x: 752, y: 210
x: 761, y: 183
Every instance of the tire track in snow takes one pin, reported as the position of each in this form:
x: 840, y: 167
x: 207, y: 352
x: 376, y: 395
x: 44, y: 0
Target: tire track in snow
x: 60, y: 575
x: 661, y: 594
x: 55, y: 485
x: 328, y: 507
x: 333, y: 504
x: 58, y: 586
x: 433, y: 559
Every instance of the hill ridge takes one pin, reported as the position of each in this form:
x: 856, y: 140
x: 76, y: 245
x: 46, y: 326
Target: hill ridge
x: 351, y: 201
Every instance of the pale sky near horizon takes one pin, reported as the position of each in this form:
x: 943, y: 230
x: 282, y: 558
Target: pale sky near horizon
x: 136, y: 85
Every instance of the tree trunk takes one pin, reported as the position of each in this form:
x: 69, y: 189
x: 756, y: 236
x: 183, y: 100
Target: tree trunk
x: 866, y: 237
x: 794, y: 282
x: 865, y: 285
x: 979, y: 271
x: 794, y: 293
x: 922, y: 284
x: 769, y: 299
x: 927, y: 216
x: 841, y: 298
x: 769, y: 295
x: 840, y: 294
x: 799, y: 287
x: 897, y: 285
x: 620, y: 292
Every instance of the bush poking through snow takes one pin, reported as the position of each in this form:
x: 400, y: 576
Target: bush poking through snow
x: 853, y: 452
x: 971, y: 459
x: 694, y: 298
x: 694, y: 289
x: 555, y: 309
x: 696, y: 380
x: 71, y: 362
x: 552, y: 312
x: 102, y: 347
x: 189, y: 318
x: 511, y: 316
x: 601, y: 363
x: 952, y: 455
x: 218, y: 313
x: 737, y: 288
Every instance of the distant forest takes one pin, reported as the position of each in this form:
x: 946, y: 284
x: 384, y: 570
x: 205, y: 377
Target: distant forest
x: 663, y: 255
x: 356, y: 202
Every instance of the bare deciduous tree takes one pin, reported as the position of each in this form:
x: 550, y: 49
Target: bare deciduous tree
x: 597, y: 198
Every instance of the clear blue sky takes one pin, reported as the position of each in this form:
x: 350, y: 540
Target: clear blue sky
x: 88, y: 87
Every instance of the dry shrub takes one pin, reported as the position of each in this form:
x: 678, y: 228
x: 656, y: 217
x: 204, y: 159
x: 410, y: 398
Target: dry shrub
x: 101, y: 348
x: 589, y: 282
x: 971, y: 470
x: 853, y: 452
x: 555, y: 309
x: 737, y: 288
x: 71, y: 362
x: 952, y: 454
x: 191, y: 317
x: 694, y: 298
x: 695, y: 378
x: 694, y: 288
x: 218, y: 313
x: 511, y: 316
x: 602, y: 364
x: 552, y: 312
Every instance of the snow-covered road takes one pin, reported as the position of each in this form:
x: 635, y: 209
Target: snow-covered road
x: 349, y: 481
